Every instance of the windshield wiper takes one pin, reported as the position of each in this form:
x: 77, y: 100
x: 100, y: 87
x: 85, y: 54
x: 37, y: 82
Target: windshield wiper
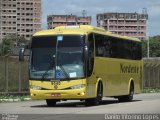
x: 61, y: 67
x: 63, y: 70
x: 51, y: 65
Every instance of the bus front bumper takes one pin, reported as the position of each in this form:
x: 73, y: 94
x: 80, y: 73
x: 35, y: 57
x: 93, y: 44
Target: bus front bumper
x: 58, y: 94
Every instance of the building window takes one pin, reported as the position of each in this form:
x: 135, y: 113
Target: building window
x: 27, y: 35
x: 27, y: 30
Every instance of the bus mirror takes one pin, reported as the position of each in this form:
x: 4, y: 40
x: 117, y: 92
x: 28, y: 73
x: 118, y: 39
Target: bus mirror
x: 21, y: 54
x: 86, y: 51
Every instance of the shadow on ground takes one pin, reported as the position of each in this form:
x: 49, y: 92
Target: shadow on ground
x: 82, y: 103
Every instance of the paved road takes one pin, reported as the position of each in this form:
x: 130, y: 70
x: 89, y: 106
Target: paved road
x: 142, y: 104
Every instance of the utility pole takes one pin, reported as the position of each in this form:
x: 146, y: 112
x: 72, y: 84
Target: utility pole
x: 84, y: 12
x: 148, y: 54
x: 144, y: 11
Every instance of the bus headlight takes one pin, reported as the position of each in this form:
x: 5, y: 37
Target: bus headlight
x: 36, y: 87
x: 77, y: 86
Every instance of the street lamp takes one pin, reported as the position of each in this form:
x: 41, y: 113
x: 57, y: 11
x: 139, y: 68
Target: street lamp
x: 148, y: 54
x: 148, y: 47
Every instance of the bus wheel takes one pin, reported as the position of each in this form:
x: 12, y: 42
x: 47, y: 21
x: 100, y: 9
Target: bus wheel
x: 98, y: 99
x: 51, y: 102
x: 127, y: 98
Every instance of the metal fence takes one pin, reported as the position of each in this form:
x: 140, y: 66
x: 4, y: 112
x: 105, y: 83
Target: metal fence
x: 151, y: 73
x: 14, y: 74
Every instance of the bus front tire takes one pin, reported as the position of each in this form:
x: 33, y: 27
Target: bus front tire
x: 50, y: 102
x: 96, y: 101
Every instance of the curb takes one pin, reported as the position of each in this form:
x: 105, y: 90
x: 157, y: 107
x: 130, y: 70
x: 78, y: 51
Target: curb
x: 14, y: 100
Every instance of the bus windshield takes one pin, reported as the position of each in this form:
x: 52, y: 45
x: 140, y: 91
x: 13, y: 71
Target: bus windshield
x: 57, y: 57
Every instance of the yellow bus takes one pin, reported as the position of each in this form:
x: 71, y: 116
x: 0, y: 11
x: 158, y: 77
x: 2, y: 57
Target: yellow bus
x: 83, y: 63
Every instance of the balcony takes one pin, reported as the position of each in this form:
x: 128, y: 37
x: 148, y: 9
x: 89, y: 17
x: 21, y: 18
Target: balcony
x: 9, y: 25
x: 59, y: 20
x: 71, y: 19
x: 58, y: 24
x: 8, y: 19
x: 9, y: 31
x: 135, y: 34
x: 112, y: 23
x: 142, y: 29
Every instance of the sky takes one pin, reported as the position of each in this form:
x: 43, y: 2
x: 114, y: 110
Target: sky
x: 93, y: 7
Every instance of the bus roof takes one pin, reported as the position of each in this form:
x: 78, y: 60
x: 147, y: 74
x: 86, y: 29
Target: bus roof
x: 80, y: 29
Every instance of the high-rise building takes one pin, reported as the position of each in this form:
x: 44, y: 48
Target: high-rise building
x: 59, y: 20
x: 21, y: 17
x: 126, y: 24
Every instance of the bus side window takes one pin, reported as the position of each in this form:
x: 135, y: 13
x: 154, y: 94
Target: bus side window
x: 137, y: 51
x: 102, y: 46
x: 90, y: 61
x: 107, y: 45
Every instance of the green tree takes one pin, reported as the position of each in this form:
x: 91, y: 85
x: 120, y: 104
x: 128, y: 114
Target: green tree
x: 154, y: 46
x: 10, y: 41
x: 6, y: 45
x: 0, y: 49
x: 144, y: 48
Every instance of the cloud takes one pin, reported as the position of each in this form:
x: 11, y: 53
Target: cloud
x: 154, y: 18
x: 154, y: 10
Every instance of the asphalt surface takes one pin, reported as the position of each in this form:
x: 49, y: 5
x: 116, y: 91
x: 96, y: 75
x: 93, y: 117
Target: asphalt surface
x: 68, y: 110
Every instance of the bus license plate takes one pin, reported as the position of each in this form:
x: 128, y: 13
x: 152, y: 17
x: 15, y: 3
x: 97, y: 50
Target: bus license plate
x: 55, y: 94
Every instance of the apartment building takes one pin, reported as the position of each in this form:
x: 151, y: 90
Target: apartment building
x: 126, y: 24
x: 59, y: 20
x: 21, y: 17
